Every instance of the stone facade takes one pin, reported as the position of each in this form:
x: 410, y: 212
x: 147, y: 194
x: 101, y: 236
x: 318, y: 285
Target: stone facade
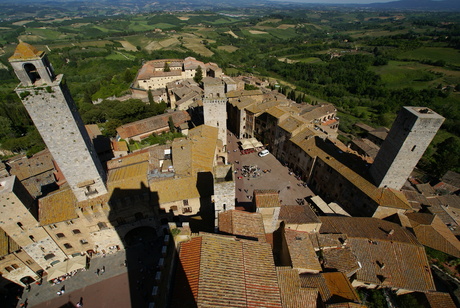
x: 410, y: 135
x: 19, y: 223
x: 224, y: 190
x: 215, y: 106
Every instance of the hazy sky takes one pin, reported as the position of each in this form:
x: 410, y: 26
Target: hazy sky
x: 339, y: 1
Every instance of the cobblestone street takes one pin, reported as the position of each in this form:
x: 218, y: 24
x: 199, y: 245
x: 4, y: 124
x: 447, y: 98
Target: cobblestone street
x: 278, y: 179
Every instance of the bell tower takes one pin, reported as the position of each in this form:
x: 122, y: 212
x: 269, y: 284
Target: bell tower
x: 54, y: 113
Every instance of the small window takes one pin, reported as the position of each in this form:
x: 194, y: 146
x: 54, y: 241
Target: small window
x: 29, y: 262
x: 70, y: 222
x: 49, y: 256
x: 67, y: 246
x: 185, y: 202
x: 53, y: 227
x: 60, y: 235
x: 84, y: 242
x: 102, y: 225
x: 76, y: 231
x: 15, y: 266
x: 32, y: 238
x: 20, y: 225
x: 9, y: 269
x: 413, y: 148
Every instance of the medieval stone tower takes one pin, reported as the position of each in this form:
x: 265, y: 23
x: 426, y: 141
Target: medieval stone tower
x: 55, y: 115
x: 410, y: 135
x: 215, y: 106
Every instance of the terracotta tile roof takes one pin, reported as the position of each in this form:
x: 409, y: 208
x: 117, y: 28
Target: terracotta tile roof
x: 232, y: 273
x: 334, y: 288
x: 119, y: 146
x: 292, y: 124
x: 313, y: 112
x: 316, y: 281
x: 152, y: 124
x: 262, y: 107
x: 389, y: 255
x: 301, y: 251
x: 366, y: 228
x: 292, y: 293
x: 298, y: 214
x: 431, y: 231
x: 243, y: 93
x: 346, y: 305
x: 266, y: 198
x: 426, y: 189
x: 245, y: 224
x: 450, y: 201
x: 452, y: 178
x: 340, y: 259
x: 439, y: 300
x: 278, y: 112
x: 204, y: 144
x: 148, y: 69
x: 130, y: 159
x: 129, y: 177
x: 340, y: 288
x: 24, y: 167
x: 190, y: 262
x: 25, y: 51
x: 174, y: 189
x: 57, y: 207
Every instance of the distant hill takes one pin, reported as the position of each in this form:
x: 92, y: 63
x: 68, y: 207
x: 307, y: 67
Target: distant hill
x: 420, y: 5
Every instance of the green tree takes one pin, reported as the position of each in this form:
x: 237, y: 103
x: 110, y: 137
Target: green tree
x: 198, y: 75
x: 166, y: 67
x: 447, y: 156
x: 150, y: 96
x: 172, y: 127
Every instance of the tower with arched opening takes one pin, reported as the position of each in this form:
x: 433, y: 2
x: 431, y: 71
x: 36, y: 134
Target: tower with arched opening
x: 54, y: 113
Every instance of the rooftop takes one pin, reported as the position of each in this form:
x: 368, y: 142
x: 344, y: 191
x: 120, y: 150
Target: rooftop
x: 244, y: 224
x: 266, y: 198
x: 25, y: 51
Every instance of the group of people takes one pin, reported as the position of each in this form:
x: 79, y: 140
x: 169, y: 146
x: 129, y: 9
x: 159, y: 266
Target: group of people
x: 63, y: 277
x: 248, y: 171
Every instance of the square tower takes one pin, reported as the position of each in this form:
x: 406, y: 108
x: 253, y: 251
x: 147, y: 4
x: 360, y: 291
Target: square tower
x: 215, y: 106
x: 411, y: 133
x: 54, y: 113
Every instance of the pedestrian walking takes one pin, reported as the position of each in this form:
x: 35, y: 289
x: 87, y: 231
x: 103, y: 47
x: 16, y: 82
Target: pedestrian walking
x: 98, y: 271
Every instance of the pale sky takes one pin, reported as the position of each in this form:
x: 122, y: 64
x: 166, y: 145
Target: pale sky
x: 339, y: 1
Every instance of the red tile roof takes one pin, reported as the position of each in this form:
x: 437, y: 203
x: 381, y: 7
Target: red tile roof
x: 225, y: 272
x: 245, y: 224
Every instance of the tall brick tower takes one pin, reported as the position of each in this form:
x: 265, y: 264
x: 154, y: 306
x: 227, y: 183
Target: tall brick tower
x: 51, y: 107
x: 215, y: 106
x: 410, y: 135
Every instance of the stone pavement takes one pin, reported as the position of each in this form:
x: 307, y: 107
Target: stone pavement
x: 278, y: 179
x: 83, y: 279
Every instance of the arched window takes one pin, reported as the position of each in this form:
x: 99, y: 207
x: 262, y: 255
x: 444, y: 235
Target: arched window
x: 31, y: 71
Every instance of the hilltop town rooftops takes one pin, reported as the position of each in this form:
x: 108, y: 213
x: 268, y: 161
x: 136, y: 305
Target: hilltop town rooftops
x: 389, y: 255
x: 243, y: 93
x: 25, y: 51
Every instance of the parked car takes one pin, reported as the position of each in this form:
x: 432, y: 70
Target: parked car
x: 263, y: 153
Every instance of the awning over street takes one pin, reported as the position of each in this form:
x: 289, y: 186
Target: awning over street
x: 250, y: 143
x: 65, y: 267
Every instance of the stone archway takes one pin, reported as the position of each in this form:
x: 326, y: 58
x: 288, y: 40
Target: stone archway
x: 32, y: 72
x: 141, y: 234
